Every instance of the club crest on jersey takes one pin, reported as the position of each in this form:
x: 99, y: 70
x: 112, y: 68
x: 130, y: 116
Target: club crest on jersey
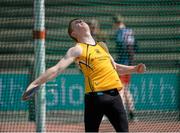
x: 97, y: 51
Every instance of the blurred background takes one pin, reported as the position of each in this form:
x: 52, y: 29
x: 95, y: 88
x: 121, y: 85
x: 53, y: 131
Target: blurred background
x: 156, y: 94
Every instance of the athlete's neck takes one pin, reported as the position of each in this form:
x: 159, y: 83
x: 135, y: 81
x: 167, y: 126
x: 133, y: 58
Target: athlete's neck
x: 87, y: 39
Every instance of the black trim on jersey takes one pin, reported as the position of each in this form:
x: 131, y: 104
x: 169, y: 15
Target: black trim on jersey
x: 87, y: 49
x: 85, y: 65
x: 90, y: 85
x: 89, y: 59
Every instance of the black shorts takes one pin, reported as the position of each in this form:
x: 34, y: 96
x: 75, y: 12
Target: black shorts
x: 107, y: 103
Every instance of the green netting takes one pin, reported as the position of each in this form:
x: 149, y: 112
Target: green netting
x: 155, y: 93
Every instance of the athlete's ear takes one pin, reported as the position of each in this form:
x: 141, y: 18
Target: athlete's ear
x: 73, y: 34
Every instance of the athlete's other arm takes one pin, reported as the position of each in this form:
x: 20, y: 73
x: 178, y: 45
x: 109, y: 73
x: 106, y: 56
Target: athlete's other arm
x: 54, y: 71
x: 124, y: 69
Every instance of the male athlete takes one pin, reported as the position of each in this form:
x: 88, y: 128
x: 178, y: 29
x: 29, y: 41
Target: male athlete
x: 101, y: 78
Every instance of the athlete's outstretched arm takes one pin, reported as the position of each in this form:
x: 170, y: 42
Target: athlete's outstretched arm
x: 54, y: 71
x: 123, y: 69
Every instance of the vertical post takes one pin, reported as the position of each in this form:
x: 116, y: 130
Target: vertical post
x: 39, y: 68
x: 178, y: 86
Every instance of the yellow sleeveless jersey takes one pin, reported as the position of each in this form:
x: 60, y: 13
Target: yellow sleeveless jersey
x: 98, y: 70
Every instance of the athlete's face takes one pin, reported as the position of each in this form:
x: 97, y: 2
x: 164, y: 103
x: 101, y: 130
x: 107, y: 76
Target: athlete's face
x: 79, y: 27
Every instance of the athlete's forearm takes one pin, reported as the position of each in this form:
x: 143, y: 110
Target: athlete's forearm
x: 123, y: 69
x: 49, y: 74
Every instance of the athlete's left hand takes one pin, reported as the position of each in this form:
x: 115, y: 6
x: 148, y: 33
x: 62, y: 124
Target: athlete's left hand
x: 140, y: 68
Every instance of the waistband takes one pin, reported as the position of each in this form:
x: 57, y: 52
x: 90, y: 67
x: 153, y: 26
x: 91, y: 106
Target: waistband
x: 100, y: 93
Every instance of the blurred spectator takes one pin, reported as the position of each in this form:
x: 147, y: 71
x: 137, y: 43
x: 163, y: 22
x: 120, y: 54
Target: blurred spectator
x: 125, y: 46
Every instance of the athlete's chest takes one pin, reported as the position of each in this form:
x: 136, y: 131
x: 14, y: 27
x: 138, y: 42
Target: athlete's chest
x: 95, y: 53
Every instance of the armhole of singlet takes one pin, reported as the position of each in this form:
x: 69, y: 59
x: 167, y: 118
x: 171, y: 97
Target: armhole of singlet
x: 104, y: 46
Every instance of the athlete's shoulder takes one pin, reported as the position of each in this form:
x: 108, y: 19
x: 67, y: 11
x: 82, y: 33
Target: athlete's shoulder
x: 75, y: 51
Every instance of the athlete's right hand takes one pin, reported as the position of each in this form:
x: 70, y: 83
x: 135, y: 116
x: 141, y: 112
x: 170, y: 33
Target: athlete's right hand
x: 30, y: 91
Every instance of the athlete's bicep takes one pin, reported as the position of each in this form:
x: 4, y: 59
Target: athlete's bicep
x: 69, y: 58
